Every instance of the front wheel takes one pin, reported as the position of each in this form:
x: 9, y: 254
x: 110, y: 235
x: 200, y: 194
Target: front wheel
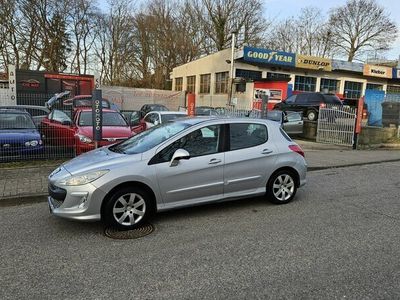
x: 128, y: 208
x: 281, y: 187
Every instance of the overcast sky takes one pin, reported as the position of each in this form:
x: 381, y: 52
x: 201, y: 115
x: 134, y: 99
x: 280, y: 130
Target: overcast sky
x: 281, y: 9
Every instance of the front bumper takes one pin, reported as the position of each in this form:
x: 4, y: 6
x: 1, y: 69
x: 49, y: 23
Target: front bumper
x: 81, y: 203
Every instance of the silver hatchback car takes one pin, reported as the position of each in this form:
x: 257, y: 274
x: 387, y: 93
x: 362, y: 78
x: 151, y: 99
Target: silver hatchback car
x: 182, y: 163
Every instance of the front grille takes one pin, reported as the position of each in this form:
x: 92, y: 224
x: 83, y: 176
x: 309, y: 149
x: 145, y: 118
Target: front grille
x: 57, y: 193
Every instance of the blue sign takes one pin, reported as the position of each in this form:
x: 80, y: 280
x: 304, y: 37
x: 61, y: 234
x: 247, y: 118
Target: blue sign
x: 396, y: 73
x: 267, y: 56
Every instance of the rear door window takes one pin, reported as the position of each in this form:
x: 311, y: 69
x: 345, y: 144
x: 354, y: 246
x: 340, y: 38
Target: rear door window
x: 246, y: 135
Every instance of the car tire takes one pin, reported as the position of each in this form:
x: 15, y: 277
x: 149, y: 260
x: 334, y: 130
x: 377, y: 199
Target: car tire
x: 281, y: 187
x: 312, y: 115
x: 128, y: 208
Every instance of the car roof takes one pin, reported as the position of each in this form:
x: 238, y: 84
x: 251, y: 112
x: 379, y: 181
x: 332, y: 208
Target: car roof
x: 85, y: 108
x: 167, y: 112
x: 13, y: 110
x: 202, y: 119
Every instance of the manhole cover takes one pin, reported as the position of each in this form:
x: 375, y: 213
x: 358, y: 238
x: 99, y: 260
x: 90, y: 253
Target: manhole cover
x: 129, y: 234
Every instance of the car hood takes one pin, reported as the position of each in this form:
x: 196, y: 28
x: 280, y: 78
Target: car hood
x: 97, y: 159
x: 107, y: 131
x: 19, y: 135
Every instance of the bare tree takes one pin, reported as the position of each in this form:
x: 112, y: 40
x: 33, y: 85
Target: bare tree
x: 360, y: 25
x: 306, y: 33
x: 221, y: 18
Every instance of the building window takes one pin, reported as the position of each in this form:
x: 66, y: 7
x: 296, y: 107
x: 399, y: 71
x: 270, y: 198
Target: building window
x: 191, y: 84
x: 393, y: 89
x: 178, y: 84
x: 205, y: 80
x: 306, y: 84
x: 277, y: 75
x: 248, y: 74
x: 352, y: 90
x: 375, y: 87
x: 221, y: 82
x: 329, y: 85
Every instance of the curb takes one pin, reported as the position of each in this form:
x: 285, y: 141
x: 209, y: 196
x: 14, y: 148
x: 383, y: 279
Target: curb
x: 352, y: 165
x: 26, y: 199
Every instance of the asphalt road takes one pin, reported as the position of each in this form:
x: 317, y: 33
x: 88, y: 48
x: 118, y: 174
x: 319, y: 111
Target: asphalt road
x: 340, y: 238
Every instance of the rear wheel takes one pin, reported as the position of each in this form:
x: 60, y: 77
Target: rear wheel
x: 312, y: 115
x: 128, y: 208
x: 281, y: 187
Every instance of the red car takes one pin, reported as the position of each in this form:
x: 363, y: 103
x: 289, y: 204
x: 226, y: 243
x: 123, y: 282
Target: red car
x: 60, y: 130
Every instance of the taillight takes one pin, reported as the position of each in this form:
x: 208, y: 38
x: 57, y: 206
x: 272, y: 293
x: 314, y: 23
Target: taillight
x: 322, y: 105
x: 297, y: 149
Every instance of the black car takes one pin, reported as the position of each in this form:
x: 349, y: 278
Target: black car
x: 308, y: 103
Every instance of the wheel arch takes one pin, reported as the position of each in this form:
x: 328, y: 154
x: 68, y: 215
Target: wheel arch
x: 128, y: 184
x: 286, y: 168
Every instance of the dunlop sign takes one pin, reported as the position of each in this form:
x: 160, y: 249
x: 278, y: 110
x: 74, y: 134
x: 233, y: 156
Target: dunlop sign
x: 313, y: 62
x: 267, y: 56
x: 377, y: 71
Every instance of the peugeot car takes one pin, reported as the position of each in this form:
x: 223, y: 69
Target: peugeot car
x: 186, y: 162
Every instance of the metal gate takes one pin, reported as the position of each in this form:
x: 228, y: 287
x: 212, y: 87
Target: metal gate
x: 336, y: 125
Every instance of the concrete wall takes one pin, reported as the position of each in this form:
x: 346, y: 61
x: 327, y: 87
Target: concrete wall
x: 376, y: 135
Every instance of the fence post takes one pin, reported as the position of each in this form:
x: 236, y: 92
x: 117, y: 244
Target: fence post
x: 264, y: 103
x: 359, y: 114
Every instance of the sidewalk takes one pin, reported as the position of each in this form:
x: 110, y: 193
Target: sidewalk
x: 29, y: 184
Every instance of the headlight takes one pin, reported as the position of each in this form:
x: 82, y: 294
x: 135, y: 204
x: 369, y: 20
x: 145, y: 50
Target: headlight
x: 83, y: 179
x: 32, y: 143
x: 84, y: 139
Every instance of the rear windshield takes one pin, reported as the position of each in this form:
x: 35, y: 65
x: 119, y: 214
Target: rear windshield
x: 16, y: 121
x: 285, y: 135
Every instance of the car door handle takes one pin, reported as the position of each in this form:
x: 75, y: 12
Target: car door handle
x: 266, y: 151
x: 214, y: 161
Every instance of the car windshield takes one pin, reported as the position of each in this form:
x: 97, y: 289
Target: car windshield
x: 110, y: 118
x: 16, y: 121
x: 150, y: 138
x: 170, y: 117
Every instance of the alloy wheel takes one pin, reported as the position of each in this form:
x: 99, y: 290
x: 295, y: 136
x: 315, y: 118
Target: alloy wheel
x: 129, y: 209
x: 283, y: 187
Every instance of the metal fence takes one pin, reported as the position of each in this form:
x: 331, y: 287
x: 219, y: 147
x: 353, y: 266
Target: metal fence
x: 26, y: 132
x: 336, y: 125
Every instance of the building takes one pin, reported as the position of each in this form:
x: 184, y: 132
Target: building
x: 209, y: 79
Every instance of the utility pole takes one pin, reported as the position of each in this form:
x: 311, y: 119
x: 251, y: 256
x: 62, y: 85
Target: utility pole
x: 231, y: 74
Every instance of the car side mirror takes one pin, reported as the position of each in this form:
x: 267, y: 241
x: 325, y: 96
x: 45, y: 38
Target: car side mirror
x: 178, y: 155
x: 66, y: 123
x: 156, y: 123
x: 285, y: 119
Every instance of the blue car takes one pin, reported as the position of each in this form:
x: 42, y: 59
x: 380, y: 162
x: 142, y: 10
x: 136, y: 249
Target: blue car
x: 18, y: 133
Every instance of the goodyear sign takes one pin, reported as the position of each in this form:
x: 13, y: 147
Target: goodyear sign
x: 377, y: 71
x: 313, y: 62
x: 267, y: 56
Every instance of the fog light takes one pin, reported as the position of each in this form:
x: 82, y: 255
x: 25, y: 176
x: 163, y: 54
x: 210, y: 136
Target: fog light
x: 83, y: 202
